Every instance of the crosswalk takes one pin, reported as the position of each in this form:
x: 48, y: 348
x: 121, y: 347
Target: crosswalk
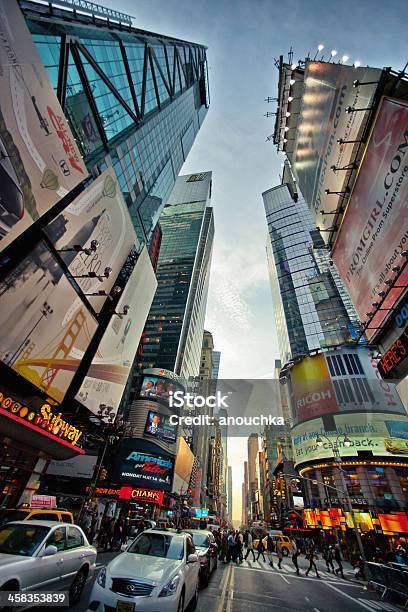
x: 287, y: 568
x: 382, y: 606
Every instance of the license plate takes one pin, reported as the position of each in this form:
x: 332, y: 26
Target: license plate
x: 124, y: 606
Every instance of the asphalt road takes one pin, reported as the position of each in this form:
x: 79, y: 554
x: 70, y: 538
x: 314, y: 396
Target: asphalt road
x: 256, y: 587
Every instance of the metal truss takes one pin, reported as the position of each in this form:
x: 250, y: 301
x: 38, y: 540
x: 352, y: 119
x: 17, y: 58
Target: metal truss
x: 94, y: 9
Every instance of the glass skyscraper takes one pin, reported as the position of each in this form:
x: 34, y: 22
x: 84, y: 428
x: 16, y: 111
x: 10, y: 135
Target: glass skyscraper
x: 174, y: 329
x: 134, y: 100
x: 310, y: 312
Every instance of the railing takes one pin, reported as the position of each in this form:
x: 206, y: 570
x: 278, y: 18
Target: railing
x: 93, y: 9
x: 390, y: 579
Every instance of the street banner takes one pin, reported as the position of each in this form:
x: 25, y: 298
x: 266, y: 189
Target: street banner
x: 374, y: 231
x: 39, y: 159
x: 98, y: 213
x: 328, y: 91
x: 107, y: 376
x: 45, y: 328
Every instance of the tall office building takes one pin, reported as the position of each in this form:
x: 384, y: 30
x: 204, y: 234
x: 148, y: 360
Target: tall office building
x: 201, y: 434
x: 245, y: 499
x: 216, y: 358
x: 253, y: 449
x: 229, y: 493
x: 174, y: 329
x: 309, y: 311
x: 134, y: 100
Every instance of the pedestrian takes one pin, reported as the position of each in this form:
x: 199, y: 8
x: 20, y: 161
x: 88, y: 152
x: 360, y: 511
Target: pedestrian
x: 230, y: 546
x: 329, y: 558
x: 279, y: 552
x: 337, y: 557
x: 250, y: 546
x: 239, y: 540
x: 295, y: 555
x: 311, y: 556
x: 359, y: 569
x: 270, y: 547
x: 261, y: 550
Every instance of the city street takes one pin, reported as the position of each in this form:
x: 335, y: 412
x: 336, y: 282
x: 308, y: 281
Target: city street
x: 254, y: 586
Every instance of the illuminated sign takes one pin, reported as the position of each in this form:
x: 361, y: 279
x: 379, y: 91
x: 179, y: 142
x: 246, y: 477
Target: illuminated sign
x: 158, y: 425
x: 143, y: 468
x: 107, y: 491
x: 43, y: 418
x: 394, y: 356
x: 401, y: 316
x: 142, y: 495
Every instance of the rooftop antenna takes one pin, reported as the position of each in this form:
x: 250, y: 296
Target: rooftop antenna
x: 290, y: 55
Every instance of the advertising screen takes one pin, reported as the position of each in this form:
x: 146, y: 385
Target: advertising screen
x: 312, y: 389
x: 183, y: 467
x: 341, y: 380
x: 374, y: 231
x: 45, y: 327
x: 39, y: 160
x: 158, y: 426
x: 110, y: 368
x: 383, y: 434
x: 143, y: 468
x: 158, y: 388
x: 328, y: 91
x: 101, y: 214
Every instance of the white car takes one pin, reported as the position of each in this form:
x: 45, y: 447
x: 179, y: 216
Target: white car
x: 45, y: 556
x: 158, y: 572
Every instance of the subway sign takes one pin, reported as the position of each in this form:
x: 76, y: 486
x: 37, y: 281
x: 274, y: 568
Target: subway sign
x: 46, y: 418
x: 394, y: 357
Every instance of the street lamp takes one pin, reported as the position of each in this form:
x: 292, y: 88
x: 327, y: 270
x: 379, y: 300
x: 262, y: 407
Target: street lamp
x: 338, y: 460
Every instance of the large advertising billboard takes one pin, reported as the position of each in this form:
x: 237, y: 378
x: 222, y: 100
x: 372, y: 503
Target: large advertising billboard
x: 183, y: 467
x: 383, y: 434
x: 328, y: 91
x: 374, y: 231
x: 39, y: 160
x: 338, y: 381
x: 142, y: 467
x: 158, y: 388
x: 99, y: 213
x: 110, y: 368
x: 45, y: 328
x: 159, y: 426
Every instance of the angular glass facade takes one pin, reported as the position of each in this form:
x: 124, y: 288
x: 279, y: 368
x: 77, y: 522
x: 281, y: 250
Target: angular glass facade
x: 309, y: 310
x: 174, y: 329
x: 134, y: 100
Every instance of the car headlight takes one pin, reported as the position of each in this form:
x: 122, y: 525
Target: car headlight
x: 101, y: 580
x: 170, y: 588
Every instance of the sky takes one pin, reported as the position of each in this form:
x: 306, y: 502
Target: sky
x: 243, y: 38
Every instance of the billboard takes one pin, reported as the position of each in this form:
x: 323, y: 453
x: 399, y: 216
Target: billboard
x: 328, y: 91
x: 183, y: 467
x: 143, y: 468
x: 77, y: 467
x: 39, y: 160
x: 312, y: 389
x: 374, y: 231
x: 159, y: 427
x: 158, y: 388
x: 394, y: 357
x: 45, y: 328
x: 110, y: 368
x: 337, y: 381
x: 98, y: 213
x: 383, y: 434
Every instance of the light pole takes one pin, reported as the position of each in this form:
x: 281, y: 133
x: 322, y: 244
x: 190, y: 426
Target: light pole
x: 338, y: 461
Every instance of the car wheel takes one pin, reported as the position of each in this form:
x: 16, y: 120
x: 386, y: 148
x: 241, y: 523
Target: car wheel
x: 285, y: 552
x: 180, y: 607
x: 194, y: 601
x: 77, y: 587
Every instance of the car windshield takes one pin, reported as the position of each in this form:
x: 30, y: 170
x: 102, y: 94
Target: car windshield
x: 13, y: 515
x: 21, y: 539
x: 201, y: 539
x: 158, y: 545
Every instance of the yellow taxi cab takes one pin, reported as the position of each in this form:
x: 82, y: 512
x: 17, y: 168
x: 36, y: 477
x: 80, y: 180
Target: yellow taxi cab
x: 285, y: 542
x: 25, y: 513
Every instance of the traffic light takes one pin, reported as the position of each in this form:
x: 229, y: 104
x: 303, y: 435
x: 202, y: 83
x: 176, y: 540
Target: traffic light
x: 102, y: 474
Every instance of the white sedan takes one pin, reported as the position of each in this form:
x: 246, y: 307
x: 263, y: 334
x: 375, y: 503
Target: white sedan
x: 157, y: 573
x: 45, y: 556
